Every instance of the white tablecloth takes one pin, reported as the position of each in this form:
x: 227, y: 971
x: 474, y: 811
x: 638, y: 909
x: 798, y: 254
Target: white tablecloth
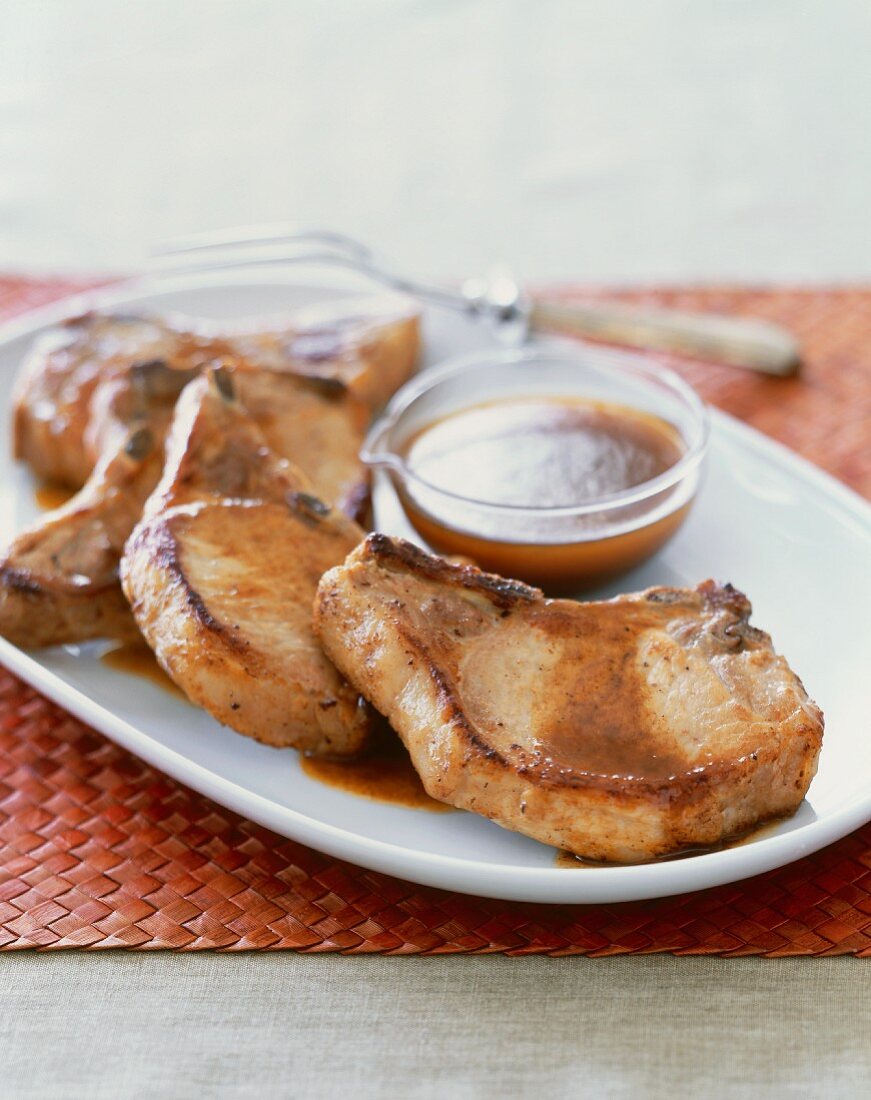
x: 591, y: 140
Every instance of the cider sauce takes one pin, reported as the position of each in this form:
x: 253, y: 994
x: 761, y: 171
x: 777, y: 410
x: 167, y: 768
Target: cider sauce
x: 543, y: 452
x: 384, y: 774
x: 136, y: 659
x: 558, y: 568
x: 50, y: 495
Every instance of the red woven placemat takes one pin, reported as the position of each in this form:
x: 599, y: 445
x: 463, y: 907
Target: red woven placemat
x: 97, y: 849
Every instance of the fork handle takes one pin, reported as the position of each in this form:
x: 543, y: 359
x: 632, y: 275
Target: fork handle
x: 755, y: 345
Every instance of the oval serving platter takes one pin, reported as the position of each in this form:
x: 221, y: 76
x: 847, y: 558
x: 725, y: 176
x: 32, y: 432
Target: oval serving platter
x: 795, y: 540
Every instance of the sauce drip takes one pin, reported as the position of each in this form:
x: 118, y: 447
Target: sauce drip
x: 50, y: 495
x: 538, y: 453
x: 384, y: 774
x: 136, y: 659
x: 575, y: 700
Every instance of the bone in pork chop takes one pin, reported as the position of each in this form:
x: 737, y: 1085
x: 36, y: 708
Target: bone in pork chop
x: 55, y: 426
x: 221, y: 573
x: 621, y: 730
x: 368, y: 347
x: 59, y: 578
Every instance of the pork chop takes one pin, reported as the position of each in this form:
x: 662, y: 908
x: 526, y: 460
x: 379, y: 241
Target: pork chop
x: 622, y: 730
x: 317, y: 424
x: 44, y: 598
x: 221, y: 573
x: 59, y: 578
x: 368, y: 347
x: 52, y: 400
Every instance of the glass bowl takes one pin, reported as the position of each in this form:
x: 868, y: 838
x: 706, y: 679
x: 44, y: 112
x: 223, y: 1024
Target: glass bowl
x: 576, y: 544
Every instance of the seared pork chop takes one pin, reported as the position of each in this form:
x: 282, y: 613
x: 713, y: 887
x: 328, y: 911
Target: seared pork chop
x: 316, y: 424
x: 621, y: 730
x: 367, y: 346
x: 221, y: 573
x: 370, y: 345
x: 59, y: 578
x: 53, y: 421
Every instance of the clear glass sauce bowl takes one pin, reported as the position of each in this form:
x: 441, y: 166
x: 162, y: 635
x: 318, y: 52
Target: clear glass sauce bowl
x: 561, y: 548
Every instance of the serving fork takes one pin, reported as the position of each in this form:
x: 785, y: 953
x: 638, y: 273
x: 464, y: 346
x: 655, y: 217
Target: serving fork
x: 514, y: 314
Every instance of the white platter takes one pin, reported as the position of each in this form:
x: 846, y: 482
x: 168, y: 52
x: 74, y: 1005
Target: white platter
x: 794, y: 539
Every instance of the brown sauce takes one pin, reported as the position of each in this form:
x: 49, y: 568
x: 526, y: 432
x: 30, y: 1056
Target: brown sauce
x: 384, y: 774
x: 543, y: 452
x: 573, y: 667
x: 136, y: 659
x: 568, y: 860
x: 50, y: 495
x: 555, y: 567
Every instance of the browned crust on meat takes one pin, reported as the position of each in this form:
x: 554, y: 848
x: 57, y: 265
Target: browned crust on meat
x: 687, y: 786
x: 33, y: 614
x: 157, y: 540
x: 371, y: 355
x: 401, y: 554
x: 221, y: 573
x: 67, y: 563
x: 217, y: 666
x: 405, y: 660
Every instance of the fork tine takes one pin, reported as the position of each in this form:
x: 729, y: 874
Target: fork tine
x: 263, y: 246
x: 213, y: 259
x: 276, y: 234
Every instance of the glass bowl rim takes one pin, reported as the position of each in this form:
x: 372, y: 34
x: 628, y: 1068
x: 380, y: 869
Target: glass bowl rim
x: 375, y: 454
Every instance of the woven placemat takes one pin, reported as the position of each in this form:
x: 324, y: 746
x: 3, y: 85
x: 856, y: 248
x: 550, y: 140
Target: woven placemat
x: 99, y: 850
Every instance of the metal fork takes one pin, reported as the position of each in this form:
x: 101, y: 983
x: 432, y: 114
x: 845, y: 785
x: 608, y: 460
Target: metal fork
x: 755, y: 345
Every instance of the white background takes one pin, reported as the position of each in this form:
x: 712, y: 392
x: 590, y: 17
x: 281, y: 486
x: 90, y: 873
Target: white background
x: 589, y: 139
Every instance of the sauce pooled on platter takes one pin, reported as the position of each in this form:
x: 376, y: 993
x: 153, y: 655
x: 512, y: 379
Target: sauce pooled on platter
x: 136, y: 659
x: 49, y: 495
x: 385, y: 773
